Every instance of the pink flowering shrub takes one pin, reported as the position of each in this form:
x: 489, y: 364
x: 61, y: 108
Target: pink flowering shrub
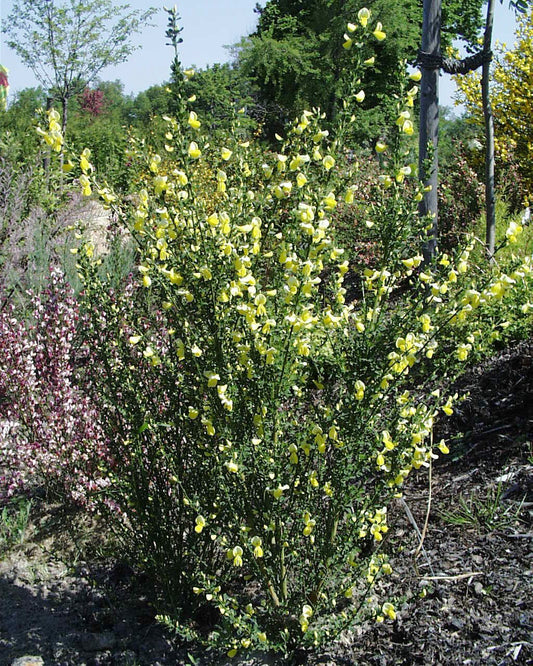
x: 49, y: 431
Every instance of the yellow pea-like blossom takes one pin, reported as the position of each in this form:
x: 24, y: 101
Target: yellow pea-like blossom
x: 278, y: 492
x: 200, y: 524
x: 328, y: 162
x: 301, y: 180
x: 85, y: 185
x: 442, y: 447
x: 232, y: 467
x: 378, y: 32
x: 160, y: 184
x: 193, y: 120
x: 364, y: 15
x: 258, y: 547
x: 85, y: 165
x: 193, y: 151
x: 388, y: 610
x: 359, y: 388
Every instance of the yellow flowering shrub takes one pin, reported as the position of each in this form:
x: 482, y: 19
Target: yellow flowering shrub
x: 260, y: 417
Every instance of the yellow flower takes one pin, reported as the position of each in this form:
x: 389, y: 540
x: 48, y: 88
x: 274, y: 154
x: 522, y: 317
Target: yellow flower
x: 193, y: 120
x: 378, y: 32
x: 359, y: 390
x: 86, y: 185
x: 237, y: 556
x: 408, y: 128
x: 388, y: 610
x: 351, y: 27
x: 200, y: 524
x: 256, y: 543
x: 363, y: 15
x: 278, y: 492
x: 347, y: 44
x: 328, y: 162
x: 297, y: 161
x: 513, y: 231
x: 226, y: 153
x: 462, y: 351
x: 307, y: 613
x: 85, y: 165
x: 330, y: 202
x: 416, y: 76
x: 381, y: 147
x: 160, y: 184
x: 442, y: 447
x: 369, y: 61
x: 360, y: 96
x: 301, y: 180
x: 194, y: 151
x: 188, y: 73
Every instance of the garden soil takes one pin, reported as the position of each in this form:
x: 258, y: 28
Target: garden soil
x: 464, y: 592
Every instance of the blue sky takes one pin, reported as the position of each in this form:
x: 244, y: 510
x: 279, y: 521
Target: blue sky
x: 209, y: 26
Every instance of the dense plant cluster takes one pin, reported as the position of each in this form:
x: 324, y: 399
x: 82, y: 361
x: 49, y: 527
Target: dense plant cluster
x: 50, y: 430
x: 461, y: 200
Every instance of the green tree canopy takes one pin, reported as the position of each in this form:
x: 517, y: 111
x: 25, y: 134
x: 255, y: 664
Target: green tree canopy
x: 296, y: 59
x: 66, y: 44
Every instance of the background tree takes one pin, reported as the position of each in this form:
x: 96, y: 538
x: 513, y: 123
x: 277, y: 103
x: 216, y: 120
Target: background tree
x: 99, y: 117
x: 67, y: 44
x: 17, y: 125
x: 512, y: 103
x: 296, y: 57
x: 221, y: 90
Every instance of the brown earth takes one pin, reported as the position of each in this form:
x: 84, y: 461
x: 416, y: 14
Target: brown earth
x: 464, y: 596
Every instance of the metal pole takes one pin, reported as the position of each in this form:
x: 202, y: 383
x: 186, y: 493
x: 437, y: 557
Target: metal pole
x: 429, y: 117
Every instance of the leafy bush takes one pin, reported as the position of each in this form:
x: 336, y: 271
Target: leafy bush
x: 461, y: 198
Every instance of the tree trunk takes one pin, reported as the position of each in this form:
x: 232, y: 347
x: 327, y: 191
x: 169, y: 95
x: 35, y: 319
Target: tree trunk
x: 489, y: 134
x: 46, y: 158
x: 429, y: 117
x: 64, y: 111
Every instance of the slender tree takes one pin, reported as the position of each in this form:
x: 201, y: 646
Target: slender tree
x: 432, y: 62
x: 66, y: 44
